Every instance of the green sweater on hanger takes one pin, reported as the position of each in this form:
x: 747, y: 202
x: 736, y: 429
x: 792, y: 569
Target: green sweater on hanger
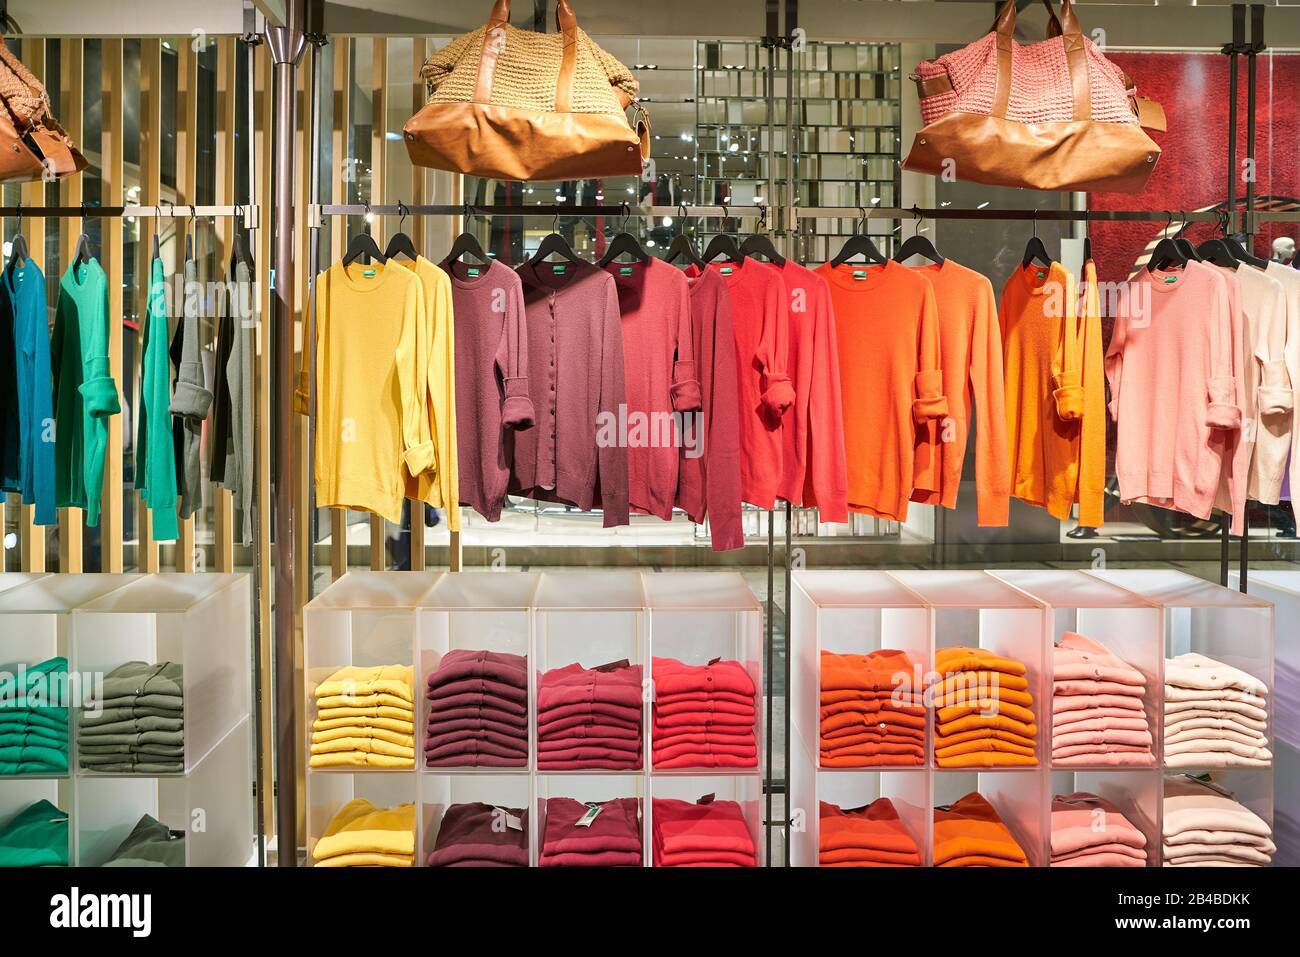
x: 155, y: 455
x: 85, y: 394
x: 35, y: 837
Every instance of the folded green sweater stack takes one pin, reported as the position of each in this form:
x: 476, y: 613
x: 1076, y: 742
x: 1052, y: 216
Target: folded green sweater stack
x: 33, y: 733
x: 35, y: 837
x: 138, y: 727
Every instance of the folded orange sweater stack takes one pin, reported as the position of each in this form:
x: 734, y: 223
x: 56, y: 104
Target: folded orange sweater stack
x: 871, y: 836
x: 970, y: 834
x: 984, y: 713
x: 871, y: 714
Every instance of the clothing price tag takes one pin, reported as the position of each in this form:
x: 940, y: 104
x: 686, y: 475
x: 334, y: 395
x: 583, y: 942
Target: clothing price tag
x: 625, y: 270
x: 714, y: 661
x: 558, y: 268
x: 473, y: 272
x: 725, y: 270
x: 1170, y: 279
x: 589, y: 818
x: 859, y: 275
x: 707, y: 799
x: 370, y: 273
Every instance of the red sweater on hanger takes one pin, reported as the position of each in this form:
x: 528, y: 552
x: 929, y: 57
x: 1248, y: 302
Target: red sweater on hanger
x: 887, y: 333
x: 813, y: 468
x: 708, y: 482
x: 970, y: 350
x: 760, y: 322
x: 658, y: 376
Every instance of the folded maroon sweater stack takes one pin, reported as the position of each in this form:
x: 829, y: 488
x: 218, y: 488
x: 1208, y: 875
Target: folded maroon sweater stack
x: 703, y: 716
x: 589, y: 718
x: 707, y: 833
x: 481, y: 835
x: 478, y: 711
x: 598, y: 834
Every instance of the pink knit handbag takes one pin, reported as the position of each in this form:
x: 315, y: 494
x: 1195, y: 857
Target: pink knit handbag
x: 1053, y: 115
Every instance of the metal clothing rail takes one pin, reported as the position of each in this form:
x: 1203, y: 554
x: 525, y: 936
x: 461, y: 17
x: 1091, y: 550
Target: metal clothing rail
x: 166, y: 211
x: 322, y: 211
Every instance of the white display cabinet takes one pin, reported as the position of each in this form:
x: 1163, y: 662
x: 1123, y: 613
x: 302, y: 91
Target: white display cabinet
x: 10, y: 580
x: 745, y: 789
x: 200, y: 621
x: 1251, y: 787
x: 1210, y: 620
x: 1127, y: 624
x: 364, y: 619
x: 1019, y: 795
x: 440, y: 791
x: 36, y: 625
x: 1282, y: 588
x: 591, y: 618
x: 1137, y: 794
x: 908, y: 789
x: 596, y: 786
x: 699, y: 617
x: 479, y: 611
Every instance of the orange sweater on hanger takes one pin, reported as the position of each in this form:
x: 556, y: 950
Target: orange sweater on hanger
x: 887, y: 336
x: 970, y: 347
x: 1055, y: 398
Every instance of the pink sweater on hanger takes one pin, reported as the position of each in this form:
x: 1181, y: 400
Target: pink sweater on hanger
x: 1170, y: 371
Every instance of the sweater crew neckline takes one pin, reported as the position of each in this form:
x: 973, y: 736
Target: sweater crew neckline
x: 876, y: 273
x: 1035, y: 285
x: 454, y: 267
x: 365, y: 284
x: 534, y: 274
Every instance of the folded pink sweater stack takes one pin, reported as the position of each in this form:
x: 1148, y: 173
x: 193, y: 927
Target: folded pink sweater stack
x: 1098, y: 716
x: 1089, y: 831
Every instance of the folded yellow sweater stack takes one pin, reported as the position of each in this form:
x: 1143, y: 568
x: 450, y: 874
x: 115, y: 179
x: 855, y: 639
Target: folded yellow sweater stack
x: 365, y: 717
x: 362, y: 835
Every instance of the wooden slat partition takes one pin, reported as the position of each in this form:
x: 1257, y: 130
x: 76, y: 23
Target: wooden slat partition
x: 31, y: 546
x: 304, y: 525
x: 187, y: 122
x: 71, y: 103
x: 150, y: 195
x: 378, y: 157
x: 419, y: 177
x: 226, y: 158
x: 112, y: 148
x: 341, y: 175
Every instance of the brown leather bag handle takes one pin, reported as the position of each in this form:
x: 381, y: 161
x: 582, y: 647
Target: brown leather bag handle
x: 1075, y: 56
x: 493, y: 43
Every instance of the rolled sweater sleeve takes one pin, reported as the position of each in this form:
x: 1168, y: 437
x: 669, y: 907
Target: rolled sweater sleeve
x: 611, y: 459
x: 512, y: 364
x: 685, y: 388
x: 774, y: 350
x: 928, y: 401
x: 1221, y: 386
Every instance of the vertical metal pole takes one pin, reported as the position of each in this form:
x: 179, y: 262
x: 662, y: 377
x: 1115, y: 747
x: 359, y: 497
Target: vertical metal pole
x: 286, y: 46
x: 1256, y: 45
x: 1232, y: 49
x: 791, y: 198
x: 785, y: 804
x: 317, y: 40
x: 769, y: 659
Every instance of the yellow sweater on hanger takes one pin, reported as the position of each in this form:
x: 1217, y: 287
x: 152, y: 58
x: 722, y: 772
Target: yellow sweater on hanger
x: 439, y: 485
x: 372, y: 419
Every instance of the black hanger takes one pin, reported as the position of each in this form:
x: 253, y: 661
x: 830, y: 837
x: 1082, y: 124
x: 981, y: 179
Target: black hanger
x: 189, y: 235
x: 363, y: 244
x: 401, y: 244
x: 624, y: 243
x: 1216, y: 251
x: 18, y: 246
x: 760, y: 244
x: 682, y: 246
x: 859, y: 244
x: 157, y: 226
x: 918, y: 245
x: 1167, y: 252
x: 1087, y: 242
x: 1239, y: 252
x: 554, y: 244
x: 1035, y: 250
x: 238, y: 251
x: 1184, y: 243
x: 723, y: 244
x: 467, y: 244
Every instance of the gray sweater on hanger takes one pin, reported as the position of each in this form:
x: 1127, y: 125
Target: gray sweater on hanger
x: 191, y: 399
x: 239, y: 377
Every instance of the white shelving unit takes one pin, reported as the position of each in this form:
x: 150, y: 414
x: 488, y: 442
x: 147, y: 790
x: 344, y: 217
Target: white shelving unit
x: 554, y: 619
x: 1144, y: 616
x: 99, y: 622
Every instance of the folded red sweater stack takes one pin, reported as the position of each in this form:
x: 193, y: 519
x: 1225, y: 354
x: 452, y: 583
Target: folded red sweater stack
x: 703, y: 715
x: 707, y: 833
x: 478, y: 711
x: 597, y: 834
x: 870, y: 713
x: 590, y: 718
x: 871, y: 836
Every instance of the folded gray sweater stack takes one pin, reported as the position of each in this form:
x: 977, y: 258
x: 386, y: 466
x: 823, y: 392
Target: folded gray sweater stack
x: 139, y: 724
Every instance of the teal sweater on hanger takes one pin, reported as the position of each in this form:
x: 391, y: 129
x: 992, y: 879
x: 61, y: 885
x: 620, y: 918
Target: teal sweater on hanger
x: 155, y: 455
x: 22, y: 305
x: 85, y: 393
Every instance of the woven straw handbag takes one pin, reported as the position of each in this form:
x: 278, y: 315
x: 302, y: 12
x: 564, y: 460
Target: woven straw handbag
x: 1052, y: 115
x: 32, y: 144
x: 512, y: 104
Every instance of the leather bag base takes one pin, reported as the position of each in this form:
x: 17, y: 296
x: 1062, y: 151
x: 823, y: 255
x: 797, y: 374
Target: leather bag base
x: 39, y: 154
x: 1078, y: 155
x: 500, y: 142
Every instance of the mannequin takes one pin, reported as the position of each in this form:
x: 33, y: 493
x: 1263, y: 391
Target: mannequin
x: 1284, y: 249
